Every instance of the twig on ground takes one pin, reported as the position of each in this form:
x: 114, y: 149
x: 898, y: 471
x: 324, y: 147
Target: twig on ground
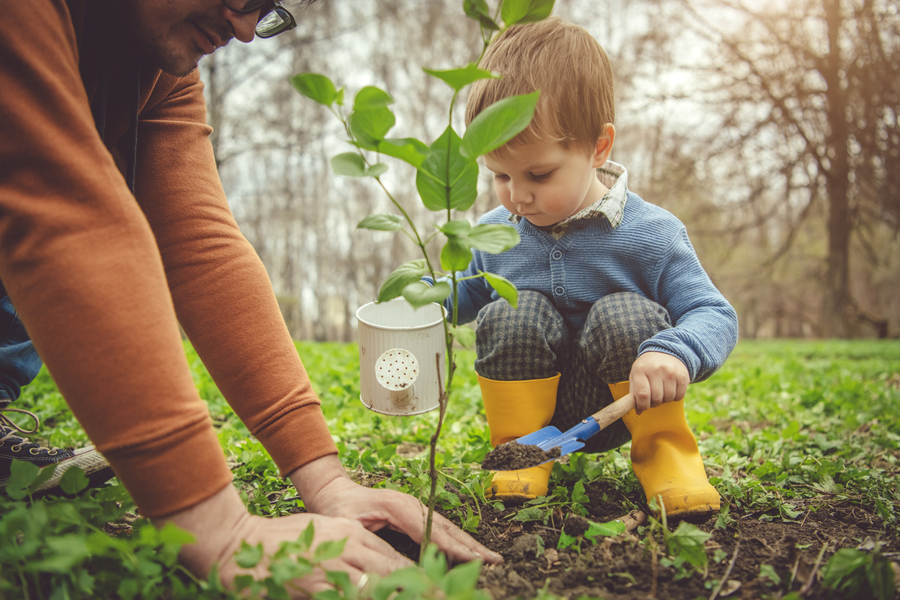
x: 812, y: 575
x: 655, y: 572
x: 722, y: 581
x: 633, y: 519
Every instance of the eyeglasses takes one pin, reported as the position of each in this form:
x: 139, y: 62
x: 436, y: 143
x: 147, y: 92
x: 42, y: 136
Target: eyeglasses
x: 273, y: 17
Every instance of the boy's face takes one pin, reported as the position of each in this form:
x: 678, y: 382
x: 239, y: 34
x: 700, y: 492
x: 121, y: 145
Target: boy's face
x: 546, y: 183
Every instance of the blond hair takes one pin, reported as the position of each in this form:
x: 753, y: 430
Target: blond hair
x: 569, y: 67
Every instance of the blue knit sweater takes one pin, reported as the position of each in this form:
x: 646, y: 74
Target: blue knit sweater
x: 649, y: 253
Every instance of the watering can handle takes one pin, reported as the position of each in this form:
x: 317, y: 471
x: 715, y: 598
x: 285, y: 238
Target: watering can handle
x: 614, y: 411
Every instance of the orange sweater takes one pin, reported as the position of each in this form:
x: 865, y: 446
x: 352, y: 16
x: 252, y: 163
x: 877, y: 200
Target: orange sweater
x: 98, y: 278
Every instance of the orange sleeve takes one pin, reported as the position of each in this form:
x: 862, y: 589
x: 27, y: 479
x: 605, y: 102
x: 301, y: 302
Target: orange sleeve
x: 222, y: 293
x: 81, y: 263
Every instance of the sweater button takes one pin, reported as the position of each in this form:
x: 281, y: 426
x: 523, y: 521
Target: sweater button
x: 559, y: 290
x: 556, y: 255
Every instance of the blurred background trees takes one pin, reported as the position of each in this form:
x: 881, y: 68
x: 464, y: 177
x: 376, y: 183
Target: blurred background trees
x: 770, y: 128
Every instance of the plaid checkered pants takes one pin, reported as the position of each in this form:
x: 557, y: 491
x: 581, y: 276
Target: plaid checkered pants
x: 533, y: 342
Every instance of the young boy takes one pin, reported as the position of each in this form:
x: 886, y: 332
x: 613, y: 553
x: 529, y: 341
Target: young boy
x: 612, y: 296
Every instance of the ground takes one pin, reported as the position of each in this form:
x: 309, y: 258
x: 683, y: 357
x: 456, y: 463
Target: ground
x: 624, y: 568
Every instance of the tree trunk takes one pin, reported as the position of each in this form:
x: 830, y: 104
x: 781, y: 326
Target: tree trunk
x: 836, y: 300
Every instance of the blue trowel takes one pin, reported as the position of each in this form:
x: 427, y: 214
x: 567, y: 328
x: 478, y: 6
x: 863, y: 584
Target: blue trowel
x: 572, y: 439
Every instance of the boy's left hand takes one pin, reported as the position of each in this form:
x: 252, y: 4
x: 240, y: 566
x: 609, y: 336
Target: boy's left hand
x: 657, y: 377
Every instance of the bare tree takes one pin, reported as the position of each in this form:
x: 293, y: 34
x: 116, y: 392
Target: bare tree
x: 800, y: 120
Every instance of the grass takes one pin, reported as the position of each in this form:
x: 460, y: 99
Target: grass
x: 787, y: 427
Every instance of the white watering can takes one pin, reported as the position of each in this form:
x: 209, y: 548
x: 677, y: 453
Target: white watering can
x: 401, y: 353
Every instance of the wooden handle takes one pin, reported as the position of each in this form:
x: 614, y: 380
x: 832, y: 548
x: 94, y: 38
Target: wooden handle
x: 614, y: 411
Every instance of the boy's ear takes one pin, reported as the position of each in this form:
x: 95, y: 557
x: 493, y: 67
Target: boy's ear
x: 604, y: 145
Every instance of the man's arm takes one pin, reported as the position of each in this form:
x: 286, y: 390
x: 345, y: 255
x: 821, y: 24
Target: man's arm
x: 82, y: 268
x: 221, y: 291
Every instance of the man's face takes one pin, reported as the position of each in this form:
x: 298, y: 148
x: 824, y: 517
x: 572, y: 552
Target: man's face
x: 175, y: 34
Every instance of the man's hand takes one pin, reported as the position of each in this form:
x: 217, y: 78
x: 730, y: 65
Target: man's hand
x: 657, y: 377
x: 222, y: 521
x: 326, y: 489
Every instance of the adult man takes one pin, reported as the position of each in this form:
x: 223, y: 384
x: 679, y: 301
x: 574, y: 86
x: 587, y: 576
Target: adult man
x: 100, y: 96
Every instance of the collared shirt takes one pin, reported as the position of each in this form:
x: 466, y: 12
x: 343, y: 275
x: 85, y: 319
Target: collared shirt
x: 611, y: 205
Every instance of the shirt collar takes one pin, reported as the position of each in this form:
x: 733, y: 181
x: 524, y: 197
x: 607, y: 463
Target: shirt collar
x: 612, y: 205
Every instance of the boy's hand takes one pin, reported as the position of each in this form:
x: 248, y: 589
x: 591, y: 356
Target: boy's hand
x: 657, y: 377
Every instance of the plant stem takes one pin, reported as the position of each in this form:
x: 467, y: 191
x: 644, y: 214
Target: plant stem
x: 432, y: 468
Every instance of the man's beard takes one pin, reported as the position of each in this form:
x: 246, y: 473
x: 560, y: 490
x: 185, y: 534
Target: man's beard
x: 159, y: 47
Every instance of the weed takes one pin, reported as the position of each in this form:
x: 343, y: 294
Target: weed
x: 854, y: 573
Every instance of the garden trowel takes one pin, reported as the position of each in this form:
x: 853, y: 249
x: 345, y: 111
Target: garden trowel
x: 574, y: 439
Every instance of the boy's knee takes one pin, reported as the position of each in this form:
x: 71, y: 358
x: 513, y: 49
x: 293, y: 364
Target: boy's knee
x: 616, y: 327
x: 519, y: 343
x: 534, y: 312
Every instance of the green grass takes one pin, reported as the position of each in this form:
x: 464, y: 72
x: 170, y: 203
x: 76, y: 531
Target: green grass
x: 785, y: 426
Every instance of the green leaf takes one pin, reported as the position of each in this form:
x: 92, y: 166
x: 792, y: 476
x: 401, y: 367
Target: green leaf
x: 608, y: 529
x: 73, y: 480
x: 493, y: 237
x: 402, y: 276
x: 462, y: 578
x: 329, y: 549
x: 529, y: 514
x: 44, y: 476
x: 768, y: 572
x: 567, y: 541
x: 498, y: 123
x: 381, y: 222
x: 880, y: 574
x: 434, y: 563
x: 316, y: 87
x: 460, y: 78
x: 351, y: 164
x: 456, y: 254
x: 525, y: 11
x: 276, y: 591
x: 173, y: 535
x: 856, y: 573
x: 412, y: 580
x: 421, y: 294
x: 687, y: 542
x: 61, y: 553
x: 478, y: 10
x: 371, y: 97
x: 341, y: 581
x: 464, y: 335
x: 504, y: 287
x: 248, y: 556
x: 409, y: 150
x: 372, y: 124
x: 20, y: 477
x: 437, y: 190
x: 306, y: 538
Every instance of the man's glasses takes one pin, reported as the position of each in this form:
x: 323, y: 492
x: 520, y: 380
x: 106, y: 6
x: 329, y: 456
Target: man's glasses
x: 273, y: 17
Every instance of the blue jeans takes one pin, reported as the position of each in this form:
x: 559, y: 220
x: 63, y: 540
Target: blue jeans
x: 19, y: 361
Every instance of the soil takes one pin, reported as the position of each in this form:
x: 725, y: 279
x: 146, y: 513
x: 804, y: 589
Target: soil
x: 512, y: 456
x: 624, y: 568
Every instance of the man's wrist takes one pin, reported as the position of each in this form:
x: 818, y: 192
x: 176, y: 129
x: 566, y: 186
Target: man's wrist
x: 313, y: 476
x: 213, y: 523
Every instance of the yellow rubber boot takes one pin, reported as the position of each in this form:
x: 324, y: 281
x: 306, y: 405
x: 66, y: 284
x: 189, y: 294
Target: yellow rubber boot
x: 666, y: 459
x: 514, y: 409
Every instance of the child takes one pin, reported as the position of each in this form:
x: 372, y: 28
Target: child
x: 612, y: 296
